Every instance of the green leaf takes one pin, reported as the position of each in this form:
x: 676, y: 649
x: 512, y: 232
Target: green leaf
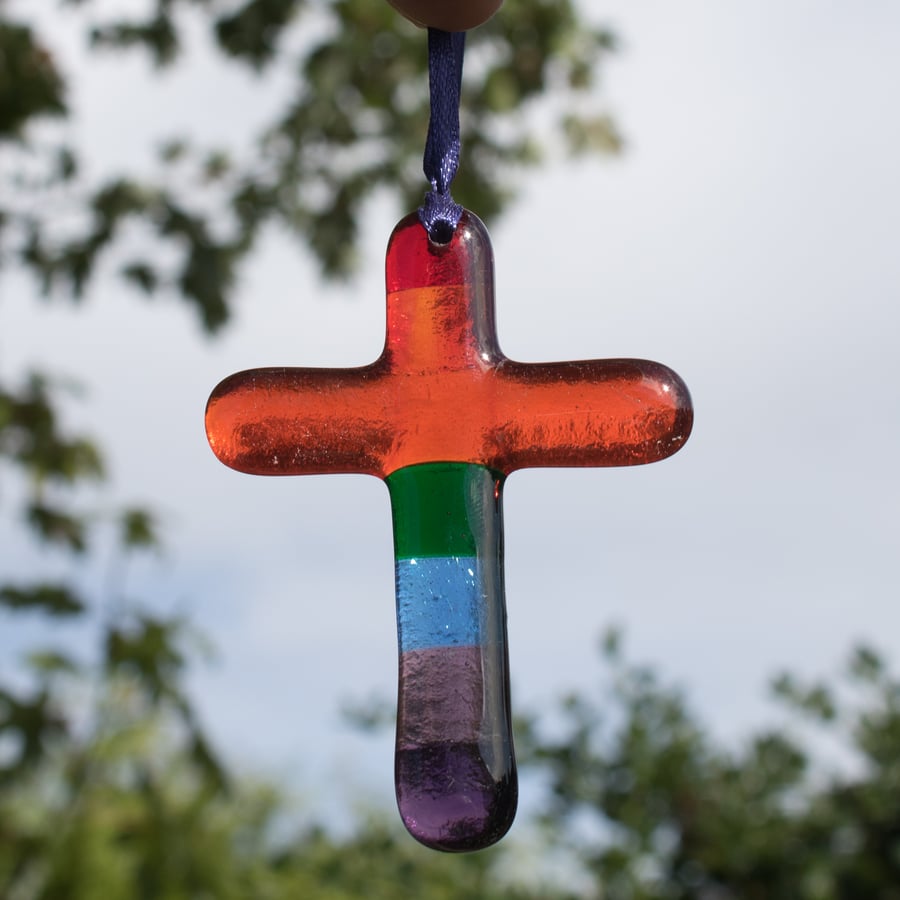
x: 30, y: 85
x: 611, y: 643
x: 138, y: 529
x: 53, y: 599
x: 374, y: 714
x: 58, y: 527
x: 34, y: 722
x: 207, y: 760
x: 66, y: 164
x: 252, y: 32
x: 590, y: 135
x: 815, y: 700
x: 29, y: 434
x: 157, y: 35
x: 52, y: 662
x: 173, y: 151
x: 142, y: 275
x: 867, y: 665
x: 149, y: 649
x: 216, y: 166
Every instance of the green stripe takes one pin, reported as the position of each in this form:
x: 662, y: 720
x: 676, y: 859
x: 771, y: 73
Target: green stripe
x: 444, y: 509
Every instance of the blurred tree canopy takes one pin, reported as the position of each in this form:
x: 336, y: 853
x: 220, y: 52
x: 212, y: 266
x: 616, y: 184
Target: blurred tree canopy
x: 353, y: 123
x: 653, y: 807
x: 109, y: 785
x: 78, y: 736
x: 641, y: 802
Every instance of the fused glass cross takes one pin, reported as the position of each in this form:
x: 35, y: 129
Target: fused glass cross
x: 443, y: 417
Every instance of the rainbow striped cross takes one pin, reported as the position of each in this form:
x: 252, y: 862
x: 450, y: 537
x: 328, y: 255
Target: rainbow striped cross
x: 443, y: 417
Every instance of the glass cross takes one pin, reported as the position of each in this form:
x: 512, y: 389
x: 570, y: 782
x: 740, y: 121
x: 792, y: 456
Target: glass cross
x: 443, y: 417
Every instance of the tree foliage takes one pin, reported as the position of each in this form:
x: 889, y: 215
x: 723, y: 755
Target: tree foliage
x: 652, y: 807
x: 109, y: 785
x: 353, y: 126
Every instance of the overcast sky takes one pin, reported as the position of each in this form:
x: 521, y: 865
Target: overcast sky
x: 749, y: 238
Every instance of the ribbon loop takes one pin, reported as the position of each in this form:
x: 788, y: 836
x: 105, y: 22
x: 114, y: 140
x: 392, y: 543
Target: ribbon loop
x: 439, y: 213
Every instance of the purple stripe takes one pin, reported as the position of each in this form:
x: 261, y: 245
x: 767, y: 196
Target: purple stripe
x: 449, y: 800
x: 442, y: 700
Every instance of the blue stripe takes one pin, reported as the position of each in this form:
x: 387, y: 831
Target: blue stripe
x: 439, y: 602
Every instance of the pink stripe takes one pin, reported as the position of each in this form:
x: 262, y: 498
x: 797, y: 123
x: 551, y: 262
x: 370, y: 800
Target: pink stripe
x: 441, y: 696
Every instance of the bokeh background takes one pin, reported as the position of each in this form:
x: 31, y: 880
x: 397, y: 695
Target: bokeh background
x: 748, y: 237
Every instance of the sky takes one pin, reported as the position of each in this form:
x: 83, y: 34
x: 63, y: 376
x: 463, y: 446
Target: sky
x: 749, y: 238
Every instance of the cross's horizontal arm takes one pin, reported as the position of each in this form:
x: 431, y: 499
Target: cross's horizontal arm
x: 609, y: 412
x: 301, y: 421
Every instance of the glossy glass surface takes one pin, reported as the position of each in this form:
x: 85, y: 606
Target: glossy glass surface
x: 455, y: 771
x: 443, y: 391
x: 443, y: 416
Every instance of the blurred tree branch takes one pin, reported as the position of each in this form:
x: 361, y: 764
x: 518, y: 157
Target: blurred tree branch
x: 352, y: 127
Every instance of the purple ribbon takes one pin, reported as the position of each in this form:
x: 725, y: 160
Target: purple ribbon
x: 439, y: 213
